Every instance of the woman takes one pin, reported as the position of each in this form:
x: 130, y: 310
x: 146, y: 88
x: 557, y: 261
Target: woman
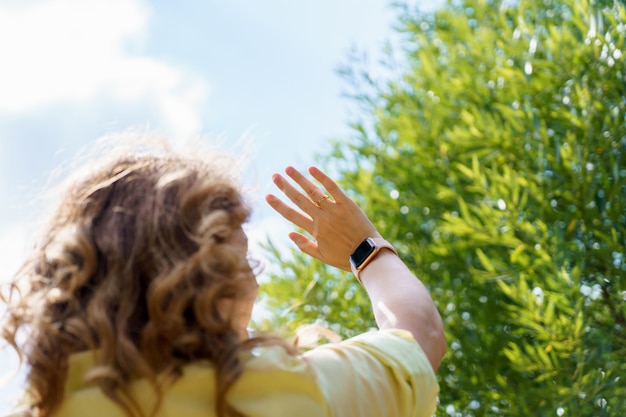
x: 136, y: 301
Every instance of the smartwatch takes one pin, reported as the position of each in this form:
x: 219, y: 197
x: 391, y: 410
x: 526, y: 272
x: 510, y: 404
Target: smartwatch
x: 366, y: 252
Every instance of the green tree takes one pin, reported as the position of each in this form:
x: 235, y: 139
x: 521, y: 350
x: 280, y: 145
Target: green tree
x: 493, y: 155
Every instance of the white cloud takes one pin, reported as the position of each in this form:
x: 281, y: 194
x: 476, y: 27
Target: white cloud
x: 77, y: 50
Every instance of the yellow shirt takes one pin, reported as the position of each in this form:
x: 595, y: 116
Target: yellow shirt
x: 377, y: 374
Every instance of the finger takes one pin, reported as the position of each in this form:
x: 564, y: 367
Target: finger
x: 320, y: 200
x: 305, y: 244
x: 311, y: 189
x: 299, y: 199
x: 294, y: 216
x: 329, y: 184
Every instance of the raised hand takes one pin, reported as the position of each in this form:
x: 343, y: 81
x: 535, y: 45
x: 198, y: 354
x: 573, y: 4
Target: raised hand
x: 335, y: 224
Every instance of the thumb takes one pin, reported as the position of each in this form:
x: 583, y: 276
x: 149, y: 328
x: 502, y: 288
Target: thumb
x: 305, y: 244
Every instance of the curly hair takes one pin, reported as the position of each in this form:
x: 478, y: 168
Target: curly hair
x: 132, y: 266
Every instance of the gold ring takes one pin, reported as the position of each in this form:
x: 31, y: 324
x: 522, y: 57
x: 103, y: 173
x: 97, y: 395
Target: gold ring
x: 322, y: 198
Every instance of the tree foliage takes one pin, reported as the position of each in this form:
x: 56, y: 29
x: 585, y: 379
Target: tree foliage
x: 493, y: 155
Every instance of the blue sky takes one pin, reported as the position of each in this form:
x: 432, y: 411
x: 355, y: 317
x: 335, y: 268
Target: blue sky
x: 75, y: 70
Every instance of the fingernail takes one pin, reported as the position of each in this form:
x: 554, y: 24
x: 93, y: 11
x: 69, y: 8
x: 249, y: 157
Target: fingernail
x: 290, y: 170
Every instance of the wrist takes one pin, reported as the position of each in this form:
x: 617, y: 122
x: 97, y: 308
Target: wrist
x: 366, y: 252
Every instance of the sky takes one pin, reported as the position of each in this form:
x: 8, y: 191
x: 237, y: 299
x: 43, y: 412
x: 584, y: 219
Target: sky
x: 228, y: 72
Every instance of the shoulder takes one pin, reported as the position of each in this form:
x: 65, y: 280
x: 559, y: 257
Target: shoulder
x: 395, y: 339
x: 381, y: 373
x: 390, y: 347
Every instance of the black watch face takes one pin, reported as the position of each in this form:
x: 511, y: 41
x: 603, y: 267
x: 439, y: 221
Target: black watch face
x: 361, y: 253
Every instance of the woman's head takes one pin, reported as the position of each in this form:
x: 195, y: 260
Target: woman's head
x: 143, y: 261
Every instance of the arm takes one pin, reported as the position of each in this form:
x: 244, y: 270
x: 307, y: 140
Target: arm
x: 338, y: 226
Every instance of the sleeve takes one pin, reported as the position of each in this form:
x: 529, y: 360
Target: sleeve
x: 382, y: 373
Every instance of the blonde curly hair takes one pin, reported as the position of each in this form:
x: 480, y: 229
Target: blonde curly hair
x: 132, y: 265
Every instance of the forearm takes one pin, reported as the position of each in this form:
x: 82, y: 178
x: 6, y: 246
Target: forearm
x: 400, y: 300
